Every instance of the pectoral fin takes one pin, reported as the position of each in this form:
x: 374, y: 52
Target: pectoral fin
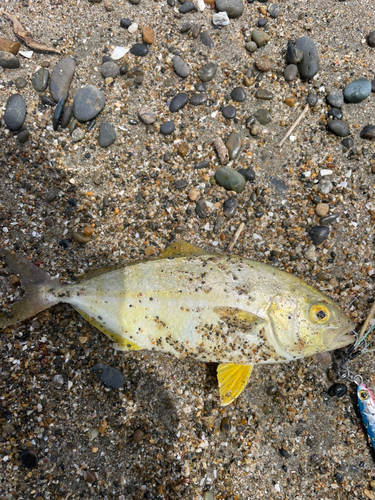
x: 180, y: 248
x: 237, y: 318
x: 232, y: 380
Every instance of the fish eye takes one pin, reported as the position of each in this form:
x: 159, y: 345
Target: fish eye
x: 320, y: 314
x: 363, y: 395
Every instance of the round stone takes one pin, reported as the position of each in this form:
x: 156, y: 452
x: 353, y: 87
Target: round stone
x: 337, y: 390
x: 263, y: 116
x: 229, y: 112
x: 339, y: 128
x: 61, y: 78
x: 335, y: 114
x: 23, y: 136
x: 238, y: 94
x: 233, y: 8
x: 207, y: 72
x: 368, y: 132
x: 180, y: 67
x: 290, y: 72
x: 233, y: 145
x: 312, y: 99
x: 274, y: 10
x: 260, y: 37
x: 318, y: 234
x: 198, y: 99
x: 139, y: 50
x: 178, y: 102
x: 248, y: 173
x: 230, y: 206
x: 88, y: 103
x: 15, y: 112
x: 200, y: 87
x: 40, y: 79
x: 167, y: 128
x: 325, y: 186
x: 29, y: 459
x: 148, y: 35
x: 264, y: 94
x: 186, y: 7
x: 109, y: 70
x: 358, y: 90
x: 111, y: 377
x: 107, y: 135
x: 20, y: 83
x: 147, y: 115
x: 77, y: 135
x: 309, y: 66
x: 251, y: 47
x: 125, y: 23
x: 138, y: 436
x: 322, y: 209
x: 230, y: 179
x: 335, y: 99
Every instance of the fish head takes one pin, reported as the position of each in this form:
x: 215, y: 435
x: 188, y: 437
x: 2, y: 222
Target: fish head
x: 306, y: 322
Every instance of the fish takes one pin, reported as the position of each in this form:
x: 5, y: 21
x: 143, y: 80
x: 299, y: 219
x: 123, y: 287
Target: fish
x: 366, y: 403
x: 213, y: 307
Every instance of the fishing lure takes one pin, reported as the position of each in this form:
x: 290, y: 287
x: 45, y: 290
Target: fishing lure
x: 366, y: 403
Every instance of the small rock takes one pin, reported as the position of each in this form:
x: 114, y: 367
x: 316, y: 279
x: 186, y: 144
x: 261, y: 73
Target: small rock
x: 147, y: 115
x: 225, y: 425
x: 150, y: 251
x: 40, y: 79
x: 111, y: 377
x: 325, y: 186
x: 260, y: 37
x: 8, y: 60
x: 251, y: 47
x: 233, y: 8
x: 290, y: 101
x: 88, y: 103
x: 233, y: 145
x: 312, y: 99
x: 21, y: 83
x: 357, y: 91
x: 291, y: 72
x: 178, y: 102
x: 167, y: 128
x: 206, y: 39
x: 263, y: 116
x: 248, y: 173
x: 29, y: 459
x: 107, y: 135
x: 371, y: 39
x: 125, y: 23
x: 335, y: 114
x: 77, y: 135
x: 229, y: 112
x: 274, y: 10
x: 133, y: 28
x: 329, y: 219
x: 309, y: 66
x: 66, y: 117
x: 318, y: 234
x: 186, y: 7
x: 80, y: 236
x: 238, y: 94
x: 201, y: 209
x: 61, y: 78
x: 138, y: 436
x: 230, y: 207
x: 263, y: 64
x: 348, y: 143
x: 58, y: 381
x: 194, y: 194
x: 196, y: 29
x: 118, y: 53
x: 198, y: 99
x: 368, y: 132
x: 310, y: 253
x: 23, y: 136
x: 180, y: 67
x: 230, y: 179
x: 182, y: 151
x: 264, y: 94
x: 322, y: 209
x: 335, y: 99
x: 339, y: 128
x: 139, y: 50
x: 207, y: 72
x: 148, y: 35
x: 109, y: 70
x: 9, y: 46
x: 15, y: 112
x: 337, y: 390
x: 294, y: 54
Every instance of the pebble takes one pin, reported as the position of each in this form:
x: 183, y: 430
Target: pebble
x: 194, y: 194
x: 182, y: 151
x: 59, y: 110
x: 348, y: 143
x: 202, y: 164
x: 310, y: 253
x: 201, y: 209
x: 77, y: 135
x: 251, y: 47
x: 318, y: 234
x: 58, y: 381
x: 260, y: 37
x: 335, y: 99
x: 139, y: 50
x: 290, y: 72
x: 186, y: 7
x: 335, y: 114
x: 125, y: 23
x: 138, y: 436
x: 29, y: 459
x: 290, y: 101
x: 263, y: 64
x: 309, y: 66
x: 238, y: 94
x: 263, y: 116
x: 133, y: 28
x: 230, y: 206
x: 233, y: 8
x: 9, y: 46
x: 329, y: 219
x: 150, y: 251
x: 312, y: 99
x: 229, y: 112
x: 109, y: 70
x: 15, y: 112
x: 358, y: 90
x: 205, y: 38
x: 274, y: 10
x: 262, y: 22
x: 294, y: 54
x: 371, y: 39
x: 230, y: 179
x: 118, y: 53
x: 20, y: 83
x: 207, y: 72
x: 88, y: 103
x: 40, y: 79
x: 247, y: 173
x: 180, y: 184
x: 200, y: 87
x: 48, y: 101
x: 233, y: 145
x: 337, y: 390
x: 339, y: 128
x: 178, y: 102
x: 185, y: 28
x: 167, y: 128
x: 111, y: 377
x: 325, y: 186
x: 180, y: 67
x: 107, y: 135
x: 196, y: 29
x: 61, y: 78
x: 322, y: 209
x: 146, y: 115
x: 23, y: 136
x: 225, y: 425
x: 198, y: 99
x: 148, y: 35
x: 8, y: 60
x: 368, y: 132
x: 264, y: 94
x: 66, y: 117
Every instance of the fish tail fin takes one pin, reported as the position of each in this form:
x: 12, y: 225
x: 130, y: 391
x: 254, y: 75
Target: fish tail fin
x: 35, y: 282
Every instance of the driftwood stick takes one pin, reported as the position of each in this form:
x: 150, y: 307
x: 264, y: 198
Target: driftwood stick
x: 366, y: 323
x: 306, y: 108
x: 235, y: 237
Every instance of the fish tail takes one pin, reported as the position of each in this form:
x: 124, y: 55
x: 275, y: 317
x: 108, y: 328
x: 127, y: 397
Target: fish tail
x: 36, y: 284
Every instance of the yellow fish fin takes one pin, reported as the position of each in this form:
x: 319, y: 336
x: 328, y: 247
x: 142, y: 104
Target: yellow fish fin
x: 180, y: 248
x: 121, y: 343
x: 232, y: 380
x: 237, y: 318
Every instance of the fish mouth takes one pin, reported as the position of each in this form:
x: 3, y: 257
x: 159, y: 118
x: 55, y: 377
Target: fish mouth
x: 344, y: 338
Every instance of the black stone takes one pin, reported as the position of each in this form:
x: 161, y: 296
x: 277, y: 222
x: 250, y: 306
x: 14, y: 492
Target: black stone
x: 368, y: 132
x: 262, y: 22
x: 335, y: 114
x: 64, y: 243
x: 186, y: 7
x: 29, y: 459
x: 337, y: 390
x: 329, y: 219
x: 284, y: 453
x: 139, y: 49
x: 48, y: 101
x: 123, y: 69
x: 125, y: 23
x: 373, y: 86
x: 111, y: 377
x: 201, y: 209
x: 178, y: 102
x: 348, y: 143
x: 229, y: 112
x: 318, y: 234
x: 167, y: 128
x: 238, y: 94
x: 58, y: 113
x: 230, y: 207
x: 312, y: 99
x: 185, y: 28
x: 339, y: 478
x: 248, y: 173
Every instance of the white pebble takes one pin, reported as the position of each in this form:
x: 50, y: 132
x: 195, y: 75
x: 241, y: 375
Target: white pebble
x: 26, y: 53
x: 201, y: 5
x: 326, y: 171
x: 119, y: 52
x: 133, y: 28
x: 220, y: 19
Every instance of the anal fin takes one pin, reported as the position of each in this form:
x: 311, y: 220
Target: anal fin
x: 232, y: 380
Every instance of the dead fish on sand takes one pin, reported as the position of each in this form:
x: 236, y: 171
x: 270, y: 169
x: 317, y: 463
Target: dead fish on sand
x: 210, y: 306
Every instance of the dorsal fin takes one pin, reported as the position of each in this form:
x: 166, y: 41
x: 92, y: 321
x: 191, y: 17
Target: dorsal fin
x: 180, y: 248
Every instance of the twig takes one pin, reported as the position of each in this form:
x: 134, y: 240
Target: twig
x: 365, y: 324
x: 306, y: 108
x: 235, y: 237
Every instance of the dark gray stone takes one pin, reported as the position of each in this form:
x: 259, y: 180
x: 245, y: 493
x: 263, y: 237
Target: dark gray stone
x: 15, y: 112
x: 238, y: 94
x: 230, y: 179
x: 207, y: 72
x: 200, y: 87
x: 368, y: 132
x: 233, y: 8
x: 294, y: 54
x: 335, y: 99
x: 264, y: 94
x: 358, y: 90
x: 248, y: 173
x: 198, y: 99
x: 185, y: 28
x: 371, y: 39
x: 23, y: 136
x: 348, y: 143
x: 186, y: 7
x: 230, y: 206
x: 318, y: 234
x: 139, y: 50
x: 61, y: 78
x: 107, y: 135
x: 312, y: 99
x: 111, y: 377
x: 20, y: 83
x: 339, y: 128
x: 205, y: 38
x: 229, y: 112
x: 109, y: 70
x: 167, y: 128
x: 201, y: 209
x: 178, y: 102
x: 125, y: 23
x: 66, y: 117
x: 8, y: 61
x: 263, y: 116
x: 290, y: 72
x: 40, y: 79
x: 88, y: 103
x: 309, y: 66
x: 274, y: 10
x: 202, y: 164
x: 335, y: 114
x: 329, y: 219
x: 233, y: 145
x: 180, y: 184
x: 180, y: 67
